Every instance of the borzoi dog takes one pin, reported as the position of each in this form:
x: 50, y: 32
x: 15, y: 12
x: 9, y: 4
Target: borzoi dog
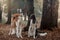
x: 13, y: 25
x: 20, y: 26
x: 16, y: 25
x: 32, y: 27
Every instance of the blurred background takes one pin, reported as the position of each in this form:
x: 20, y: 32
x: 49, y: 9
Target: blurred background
x: 13, y: 5
x: 47, y: 13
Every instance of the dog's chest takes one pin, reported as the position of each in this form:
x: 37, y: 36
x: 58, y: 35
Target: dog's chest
x: 13, y: 25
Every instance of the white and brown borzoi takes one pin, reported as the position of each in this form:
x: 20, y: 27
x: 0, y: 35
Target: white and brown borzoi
x: 16, y: 25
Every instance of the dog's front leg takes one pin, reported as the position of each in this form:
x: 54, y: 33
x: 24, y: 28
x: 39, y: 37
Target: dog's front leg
x: 20, y: 33
x: 13, y: 31
x: 29, y: 31
x: 17, y: 33
x: 10, y: 31
x: 34, y: 32
x: 17, y: 30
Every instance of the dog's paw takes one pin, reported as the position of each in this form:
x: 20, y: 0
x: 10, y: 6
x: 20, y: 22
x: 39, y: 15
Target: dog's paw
x: 34, y: 37
x: 28, y: 35
x: 12, y: 33
x: 21, y: 36
x: 17, y: 36
x: 9, y: 33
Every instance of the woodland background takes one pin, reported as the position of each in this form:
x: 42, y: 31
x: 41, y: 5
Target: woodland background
x: 47, y: 13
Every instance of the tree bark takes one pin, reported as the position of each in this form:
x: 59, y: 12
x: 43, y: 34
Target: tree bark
x: 0, y: 15
x: 9, y: 12
x: 25, y: 9
x: 9, y: 18
x: 30, y: 11
x: 55, y: 5
x: 50, y: 14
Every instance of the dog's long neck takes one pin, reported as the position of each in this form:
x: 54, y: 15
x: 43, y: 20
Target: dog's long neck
x: 20, y: 19
x: 31, y: 21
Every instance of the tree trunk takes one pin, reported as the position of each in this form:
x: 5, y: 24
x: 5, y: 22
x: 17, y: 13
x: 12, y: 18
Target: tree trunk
x: 55, y: 5
x: 0, y: 15
x: 30, y: 11
x: 9, y: 18
x: 50, y: 14
x: 9, y: 12
x: 25, y: 9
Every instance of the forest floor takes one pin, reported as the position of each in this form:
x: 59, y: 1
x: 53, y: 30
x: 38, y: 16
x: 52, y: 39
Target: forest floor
x: 52, y: 35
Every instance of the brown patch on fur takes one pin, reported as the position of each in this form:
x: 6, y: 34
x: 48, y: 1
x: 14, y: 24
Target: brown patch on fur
x: 14, y: 19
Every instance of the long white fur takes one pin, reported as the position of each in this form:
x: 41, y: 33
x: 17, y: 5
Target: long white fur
x: 18, y: 29
x: 32, y: 30
x: 12, y: 30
